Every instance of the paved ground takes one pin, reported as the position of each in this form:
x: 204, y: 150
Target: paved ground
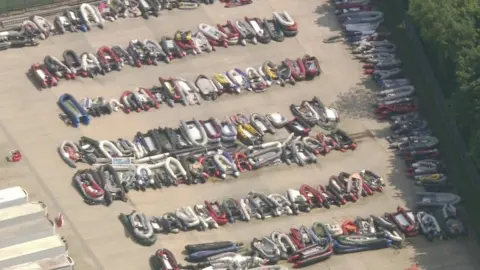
x: 28, y: 120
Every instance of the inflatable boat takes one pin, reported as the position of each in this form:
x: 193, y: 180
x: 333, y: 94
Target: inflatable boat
x: 75, y: 112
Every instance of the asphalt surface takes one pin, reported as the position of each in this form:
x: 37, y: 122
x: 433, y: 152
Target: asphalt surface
x: 97, y: 240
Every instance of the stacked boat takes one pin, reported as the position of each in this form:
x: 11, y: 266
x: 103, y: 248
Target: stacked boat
x: 254, y: 206
x: 395, y: 102
x: 151, y: 52
x: 176, y: 90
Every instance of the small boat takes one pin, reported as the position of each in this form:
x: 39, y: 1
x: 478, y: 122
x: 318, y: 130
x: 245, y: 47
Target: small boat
x: 261, y: 124
x: 259, y: 28
x: 436, y: 199
x: 246, y: 31
x: 239, y: 78
x: 274, y: 30
x: 44, y: 25
x: 224, y: 84
x: 214, y: 35
x: 91, y: 15
x: 257, y: 82
x: 207, y: 88
x: 269, y: 71
x: 213, y: 129
x: 194, y: 132
x: 188, y: 89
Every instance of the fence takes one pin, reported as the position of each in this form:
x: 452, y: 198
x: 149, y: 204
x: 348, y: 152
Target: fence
x: 19, y: 6
x: 15, y: 5
x: 461, y: 168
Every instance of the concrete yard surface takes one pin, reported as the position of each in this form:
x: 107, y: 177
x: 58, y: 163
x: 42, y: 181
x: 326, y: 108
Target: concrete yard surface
x: 97, y: 240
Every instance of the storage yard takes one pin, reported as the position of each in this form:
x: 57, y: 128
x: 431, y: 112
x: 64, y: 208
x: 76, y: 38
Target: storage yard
x: 96, y: 238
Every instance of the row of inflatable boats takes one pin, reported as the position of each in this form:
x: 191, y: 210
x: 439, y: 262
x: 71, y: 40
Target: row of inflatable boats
x: 36, y: 27
x: 178, y: 90
x: 307, y: 245
x: 254, y: 206
x: 150, y: 52
x: 88, y: 16
x: 192, y: 165
x: 238, y: 128
x: 413, y: 141
x: 188, y: 166
x: 370, y: 45
x: 164, y: 259
x: 411, y: 136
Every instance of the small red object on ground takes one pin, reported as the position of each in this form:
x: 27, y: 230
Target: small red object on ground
x: 59, y: 220
x: 14, y: 155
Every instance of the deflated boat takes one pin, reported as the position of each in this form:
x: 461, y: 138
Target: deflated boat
x: 44, y: 25
x: 194, y: 132
x: 266, y: 249
x: 246, y: 31
x: 205, y: 219
x: 73, y: 62
x: 123, y: 55
x: 285, y: 73
x: 225, y: 164
x: 188, y: 217
x: 213, y: 129
x: 91, y: 15
x: 239, y: 78
x: 171, y: 92
x: 156, y: 51
x: 273, y: 29
x: 164, y: 259
x: 284, y: 206
x: 189, y: 91
x: 139, y: 227
x: 261, y: 205
x: 265, y: 154
x: 229, y: 132
x: 217, y: 212
x: 91, y: 65
x: 256, y: 81
x: 436, y: 199
x: 261, y: 124
x: 216, y: 37
x: 288, y: 25
x: 86, y: 182
x: 297, y: 69
x: 277, y: 120
x: 224, y: 84
x: 301, y: 154
x: 258, y: 26
x: 110, y: 183
x: 429, y: 225
x: 175, y: 170
x: 58, y: 68
x: 269, y: 71
x: 234, y: 210
x: 207, y: 88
